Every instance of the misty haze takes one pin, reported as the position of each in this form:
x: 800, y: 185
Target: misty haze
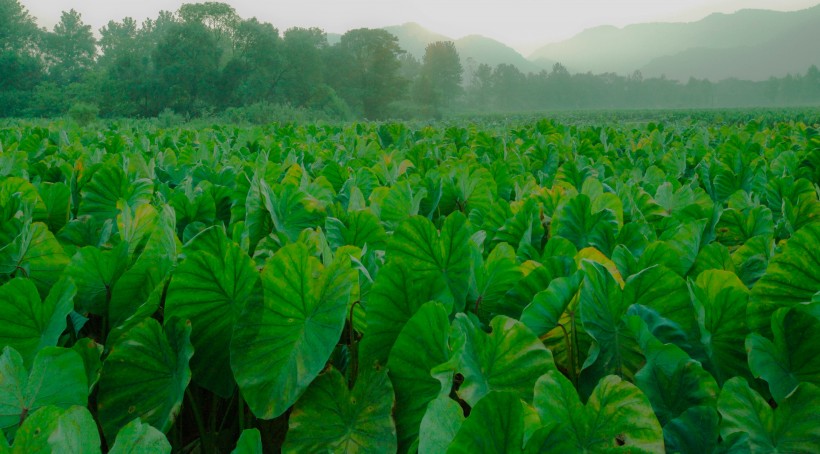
x: 393, y: 226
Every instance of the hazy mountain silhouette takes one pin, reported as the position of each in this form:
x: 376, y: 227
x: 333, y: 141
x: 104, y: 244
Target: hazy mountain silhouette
x: 749, y: 44
x: 414, y: 39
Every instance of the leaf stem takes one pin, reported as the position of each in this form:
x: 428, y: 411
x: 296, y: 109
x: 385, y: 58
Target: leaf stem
x: 200, y: 425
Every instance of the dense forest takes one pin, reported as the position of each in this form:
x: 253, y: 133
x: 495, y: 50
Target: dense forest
x: 204, y: 59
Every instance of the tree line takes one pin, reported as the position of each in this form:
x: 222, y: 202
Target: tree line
x: 204, y: 59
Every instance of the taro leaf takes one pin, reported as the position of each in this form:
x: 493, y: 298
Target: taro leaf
x: 250, y: 442
x: 107, y: 187
x: 751, y: 260
x: 396, y: 295
x: 145, y: 376
x: 793, y: 356
x: 713, y: 256
x: 736, y: 227
x: 258, y: 221
x: 34, y: 254
x: 671, y: 380
x: 720, y: 301
x: 361, y: 228
x: 398, y: 203
x: 95, y: 272
x: 90, y: 352
x: 547, y: 307
x: 792, y: 277
x: 280, y: 344
x: 57, y: 198
x: 577, y: 223
x: 57, y: 377
x: 493, y: 279
x: 292, y: 211
x: 507, y: 359
x: 330, y: 417
x: 495, y: 425
x: 695, y: 431
x: 23, y: 192
x: 665, y: 292
x: 616, y: 417
x: 148, y: 271
x: 138, y: 437
x: 58, y: 430
x: 421, y: 346
x: 417, y: 245
x: 794, y: 426
x: 602, y: 309
x: 30, y: 324
x: 210, y: 288
x: 440, y: 424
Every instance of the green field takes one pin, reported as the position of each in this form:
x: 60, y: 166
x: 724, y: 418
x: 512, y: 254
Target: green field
x: 633, y: 282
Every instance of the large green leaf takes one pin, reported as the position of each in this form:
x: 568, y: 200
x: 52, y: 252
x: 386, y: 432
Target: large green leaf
x: 280, y: 344
x: 138, y: 437
x: 792, y: 277
x: 57, y: 377
x: 603, y: 308
x: 35, y: 254
x: 578, y: 223
x: 30, y: 324
x: 720, y: 301
x: 397, y: 293
x: 361, y: 227
x: 792, y: 356
x: 145, y: 376
x: 491, y: 281
x: 695, y: 431
x: 794, y: 426
x: 329, y: 417
x: 292, y: 211
x: 250, y: 442
x: 495, y: 425
x: 95, y: 272
x: 547, y: 307
x: 417, y: 245
x: 440, y: 424
x: 508, y: 359
x: 671, y: 380
x: 421, y: 346
x: 107, y: 187
x: 665, y: 292
x: 617, y: 416
x: 55, y: 429
x: 210, y: 288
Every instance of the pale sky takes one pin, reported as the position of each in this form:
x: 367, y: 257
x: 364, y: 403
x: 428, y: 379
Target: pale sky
x: 523, y: 24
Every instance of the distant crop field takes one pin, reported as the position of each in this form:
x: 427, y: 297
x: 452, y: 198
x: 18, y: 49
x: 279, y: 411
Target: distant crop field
x: 636, y: 281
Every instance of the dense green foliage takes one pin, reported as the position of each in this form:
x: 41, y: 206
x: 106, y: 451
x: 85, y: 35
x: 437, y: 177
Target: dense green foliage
x: 204, y: 60
x: 537, y: 286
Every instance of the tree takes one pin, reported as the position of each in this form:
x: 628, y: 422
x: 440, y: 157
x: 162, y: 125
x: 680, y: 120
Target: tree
x: 70, y: 49
x: 440, y: 80
x: 303, y: 57
x: 253, y: 73
x: 187, y: 62
x: 369, y: 71
x: 20, y: 68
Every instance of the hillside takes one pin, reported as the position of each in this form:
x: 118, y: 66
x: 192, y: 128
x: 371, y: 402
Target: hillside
x: 414, y: 39
x: 749, y: 44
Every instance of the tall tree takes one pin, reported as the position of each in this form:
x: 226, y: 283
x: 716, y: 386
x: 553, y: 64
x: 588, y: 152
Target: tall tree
x: 303, y: 53
x: 254, y: 72
x: 20, y: 68
x: 70, y: 49
x: 369, y: 71
x: 187, y: 62
x: 441, y: 72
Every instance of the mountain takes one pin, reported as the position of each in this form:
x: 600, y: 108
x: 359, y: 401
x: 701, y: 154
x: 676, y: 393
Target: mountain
x: 414, y: 38
x: 749, y: 44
